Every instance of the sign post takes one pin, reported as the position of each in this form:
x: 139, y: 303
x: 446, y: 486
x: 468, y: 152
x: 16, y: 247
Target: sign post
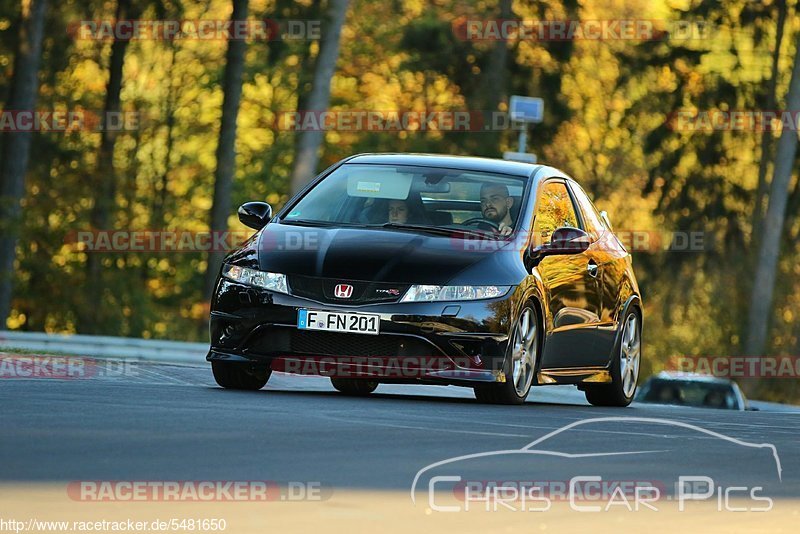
x: 525, y: 110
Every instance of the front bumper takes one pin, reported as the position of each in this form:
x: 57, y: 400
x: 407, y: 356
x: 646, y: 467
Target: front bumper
x: 436, y: 342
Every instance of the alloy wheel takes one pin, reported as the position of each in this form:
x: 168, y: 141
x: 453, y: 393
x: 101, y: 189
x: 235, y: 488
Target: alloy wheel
x: 524, y: 352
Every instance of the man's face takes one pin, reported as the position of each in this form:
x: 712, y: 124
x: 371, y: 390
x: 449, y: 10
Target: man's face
x: 495, y: 203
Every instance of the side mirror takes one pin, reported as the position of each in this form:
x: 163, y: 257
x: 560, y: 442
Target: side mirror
x: 256, y: 215
x: 568, y: 240
x: 565, y: 240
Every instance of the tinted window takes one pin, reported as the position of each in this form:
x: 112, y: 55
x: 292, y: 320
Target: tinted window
x: 689, y: 393
x: 553, y: 211
x: 375, y: 194
x: 593, y: 224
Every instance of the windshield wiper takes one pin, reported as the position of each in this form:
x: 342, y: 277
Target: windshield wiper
x: 321, y: 224
x: 431, y: 229
x: 436, y: 230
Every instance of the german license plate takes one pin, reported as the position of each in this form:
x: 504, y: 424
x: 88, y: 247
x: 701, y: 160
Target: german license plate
x: 358, y: 323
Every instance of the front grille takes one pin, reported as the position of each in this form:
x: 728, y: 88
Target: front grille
x: 342, y: 344
x: 322, y: 290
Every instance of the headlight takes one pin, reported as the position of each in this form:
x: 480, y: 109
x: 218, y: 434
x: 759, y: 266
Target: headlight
x: 435, y: 293
x: 253, y: 277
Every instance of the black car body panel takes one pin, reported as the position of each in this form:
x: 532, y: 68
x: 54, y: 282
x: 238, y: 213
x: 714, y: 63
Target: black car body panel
x: 580, y: 312
x: 378, y: 256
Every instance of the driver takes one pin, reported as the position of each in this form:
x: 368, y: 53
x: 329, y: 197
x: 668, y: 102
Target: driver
x: 496, y: 207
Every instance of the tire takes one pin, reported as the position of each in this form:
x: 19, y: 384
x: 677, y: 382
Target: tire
x: 520, y: 364
x: 354, y: 386
x: 624, y: 367
x: 243, y: 376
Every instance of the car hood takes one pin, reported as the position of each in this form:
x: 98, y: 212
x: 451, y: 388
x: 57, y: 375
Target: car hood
x: 380, y: 256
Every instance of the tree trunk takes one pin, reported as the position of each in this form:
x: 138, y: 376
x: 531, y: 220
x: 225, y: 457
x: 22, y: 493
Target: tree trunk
x: 306, y: 75
x: 16, y: 146
x: 226, y: 148
x: 493, y: 87
x: 766, y: 137
x: 90, y: 320
x: 769, y: 251
x: 308, y: 143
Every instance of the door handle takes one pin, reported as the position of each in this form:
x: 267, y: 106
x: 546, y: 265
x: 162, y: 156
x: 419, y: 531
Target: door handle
x: 592, y: 268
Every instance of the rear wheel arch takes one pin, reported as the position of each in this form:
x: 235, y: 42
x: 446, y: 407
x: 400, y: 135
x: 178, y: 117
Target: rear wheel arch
x: 616, y: 392
x: 633, y: 302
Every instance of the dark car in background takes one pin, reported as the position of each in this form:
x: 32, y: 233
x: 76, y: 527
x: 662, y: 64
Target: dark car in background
x: 404, y: 268
x: 692, y: 389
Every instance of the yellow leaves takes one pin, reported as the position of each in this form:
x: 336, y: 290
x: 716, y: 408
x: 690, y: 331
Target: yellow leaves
x: 333, y: 137
x: 666, y: 80
x: 15, y: 320
x: 414, y: 8
x: 201, y: 202
x: 90, y: 76
x: 197, y: 311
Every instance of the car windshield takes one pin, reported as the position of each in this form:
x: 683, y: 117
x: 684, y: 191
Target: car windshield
x: 408, y: 197
x: 689, y: 393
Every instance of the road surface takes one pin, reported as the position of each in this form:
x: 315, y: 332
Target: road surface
x: 153, y: 422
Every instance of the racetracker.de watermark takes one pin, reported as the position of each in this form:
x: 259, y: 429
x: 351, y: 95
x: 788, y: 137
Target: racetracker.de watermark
x: 739, y: 366
x: 197, y: 30
x: 13, y: 366
x: 394, y: 121
x: 389, y: 367
x: 156, y: 240
x: 313, y: 239
x: 689, y: 120
x: 196, y: 491
x: 632, y: 240
x: 62, y: 121
x: 468, y: 29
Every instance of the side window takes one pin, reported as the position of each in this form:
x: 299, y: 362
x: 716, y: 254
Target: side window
x: 553, y: 211
x: 591, y: 219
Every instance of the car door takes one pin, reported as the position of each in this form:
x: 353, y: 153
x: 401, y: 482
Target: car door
x: 571, y: 286
x: 605, y: 252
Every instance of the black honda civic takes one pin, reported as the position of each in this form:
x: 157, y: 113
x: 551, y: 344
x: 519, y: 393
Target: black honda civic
x: 407, y: 268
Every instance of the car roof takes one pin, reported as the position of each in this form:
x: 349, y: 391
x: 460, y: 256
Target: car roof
x: 691, y: 377
x: 466, y: 163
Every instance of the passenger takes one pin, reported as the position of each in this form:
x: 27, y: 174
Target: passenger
x: 409, y: 211
x: 398, y: 212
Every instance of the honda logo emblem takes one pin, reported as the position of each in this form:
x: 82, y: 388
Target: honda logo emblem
x: 343, y: 291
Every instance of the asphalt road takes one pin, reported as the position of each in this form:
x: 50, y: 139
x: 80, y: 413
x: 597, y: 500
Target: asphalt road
x: 166, y: 422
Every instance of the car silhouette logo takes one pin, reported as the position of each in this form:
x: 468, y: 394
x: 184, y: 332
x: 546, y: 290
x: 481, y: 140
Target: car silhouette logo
x: 343, y: 291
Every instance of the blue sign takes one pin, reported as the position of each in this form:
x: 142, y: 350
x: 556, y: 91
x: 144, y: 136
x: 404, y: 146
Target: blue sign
x: 526, y: 109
